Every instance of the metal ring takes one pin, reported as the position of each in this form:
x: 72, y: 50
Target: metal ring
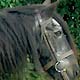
x: 57, y: 67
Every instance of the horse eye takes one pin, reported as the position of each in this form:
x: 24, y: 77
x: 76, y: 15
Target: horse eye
x: 58, y: 33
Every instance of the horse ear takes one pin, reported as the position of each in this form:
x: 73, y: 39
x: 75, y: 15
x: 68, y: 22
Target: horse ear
x: 49, y: 7
x: 47, y: 2
x: 55, y: 4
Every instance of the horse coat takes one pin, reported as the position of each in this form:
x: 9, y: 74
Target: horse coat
x: 20, y: 33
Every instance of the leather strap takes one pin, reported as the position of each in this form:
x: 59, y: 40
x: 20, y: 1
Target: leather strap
x: 64, y: 55
x: 49, y: 65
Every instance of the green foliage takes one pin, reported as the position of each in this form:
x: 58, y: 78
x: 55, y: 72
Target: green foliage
x: 25, y: 73
x: 70, y: 10
x: 13, y: 3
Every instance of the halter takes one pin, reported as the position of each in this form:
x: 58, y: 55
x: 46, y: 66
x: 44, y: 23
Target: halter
x: 57, y: 43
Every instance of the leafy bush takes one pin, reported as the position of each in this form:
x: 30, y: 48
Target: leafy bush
x: 26, y: 73
x: 70, y: 10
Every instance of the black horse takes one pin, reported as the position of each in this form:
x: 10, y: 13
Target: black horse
x: 21, y: 34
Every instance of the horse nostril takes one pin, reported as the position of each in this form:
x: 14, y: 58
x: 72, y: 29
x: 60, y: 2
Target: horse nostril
x: 76, y: 73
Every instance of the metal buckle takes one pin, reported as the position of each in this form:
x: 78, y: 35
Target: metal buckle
x: 63, y: 71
